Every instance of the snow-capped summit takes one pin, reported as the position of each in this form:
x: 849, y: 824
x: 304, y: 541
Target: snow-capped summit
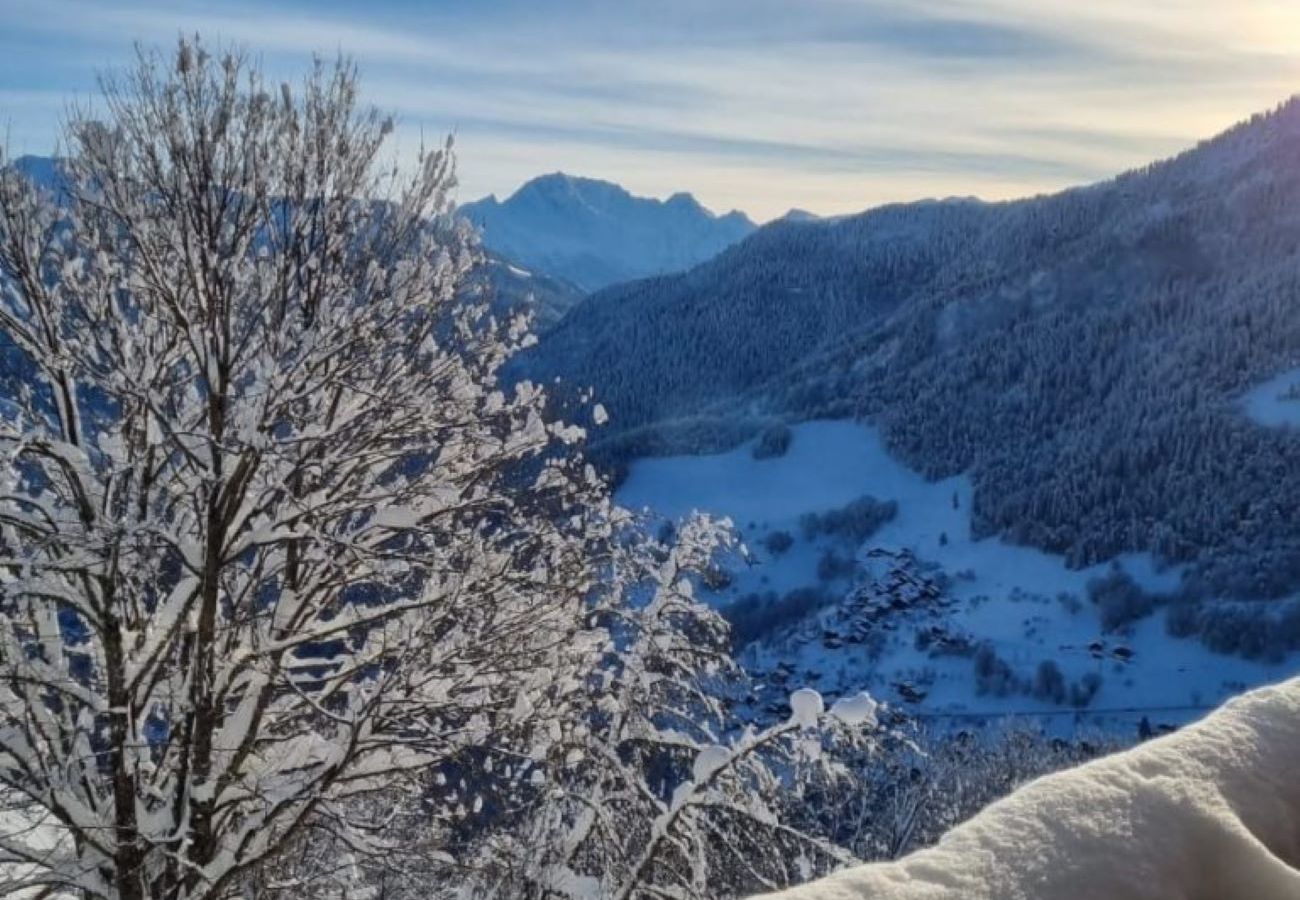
x: 795, y: 214
x: 595, y: 233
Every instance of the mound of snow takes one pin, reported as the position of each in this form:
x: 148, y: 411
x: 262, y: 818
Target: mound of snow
x: 1212, y: 811
x: 806, y: 707
x: 708, y: 761
x: 859, y: 709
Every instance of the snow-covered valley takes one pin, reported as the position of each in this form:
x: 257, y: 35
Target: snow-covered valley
x: 920, y: 614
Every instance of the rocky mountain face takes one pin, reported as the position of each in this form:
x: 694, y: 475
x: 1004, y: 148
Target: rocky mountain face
x: 594, y: 233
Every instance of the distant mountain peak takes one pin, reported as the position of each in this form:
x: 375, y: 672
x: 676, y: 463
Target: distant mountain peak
x: 684, y: 200
x: 595, y: 233
x: 561, y: 186
x: 794, y: 214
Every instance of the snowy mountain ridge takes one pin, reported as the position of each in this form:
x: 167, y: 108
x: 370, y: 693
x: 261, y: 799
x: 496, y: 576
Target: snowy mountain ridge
x: 572, y: 234
x: 595, y: 233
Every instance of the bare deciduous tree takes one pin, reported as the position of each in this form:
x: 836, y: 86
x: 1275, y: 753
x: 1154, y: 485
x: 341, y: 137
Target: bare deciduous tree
x: 271, y: 537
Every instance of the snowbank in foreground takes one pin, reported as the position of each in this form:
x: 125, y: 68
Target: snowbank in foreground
x: 1209, y: 813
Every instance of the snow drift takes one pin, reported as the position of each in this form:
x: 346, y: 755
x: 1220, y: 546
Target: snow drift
x: 1209, y: 813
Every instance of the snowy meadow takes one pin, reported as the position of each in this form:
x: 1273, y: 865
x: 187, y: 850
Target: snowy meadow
x: 1024, y: 606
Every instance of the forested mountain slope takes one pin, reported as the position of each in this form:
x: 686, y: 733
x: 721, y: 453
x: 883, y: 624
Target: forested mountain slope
x: 594, y: 233
x: 516, y: 289
x: 1082, y: 355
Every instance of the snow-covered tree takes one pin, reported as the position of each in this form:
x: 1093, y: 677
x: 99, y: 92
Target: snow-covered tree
x: 272, y: 540
x: 918, y: 783
x: 659, y: 787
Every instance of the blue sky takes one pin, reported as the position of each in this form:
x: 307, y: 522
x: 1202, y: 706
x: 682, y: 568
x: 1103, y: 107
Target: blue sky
x: 763, y: 105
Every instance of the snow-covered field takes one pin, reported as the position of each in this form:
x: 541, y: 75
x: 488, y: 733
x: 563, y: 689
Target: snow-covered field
x: 1276, y: 402
x: 991, y: 592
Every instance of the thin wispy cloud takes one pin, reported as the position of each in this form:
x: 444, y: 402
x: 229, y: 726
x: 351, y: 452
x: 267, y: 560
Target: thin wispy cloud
x: 831, y: 105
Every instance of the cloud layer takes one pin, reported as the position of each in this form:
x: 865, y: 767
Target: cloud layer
x: 829, y: 105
